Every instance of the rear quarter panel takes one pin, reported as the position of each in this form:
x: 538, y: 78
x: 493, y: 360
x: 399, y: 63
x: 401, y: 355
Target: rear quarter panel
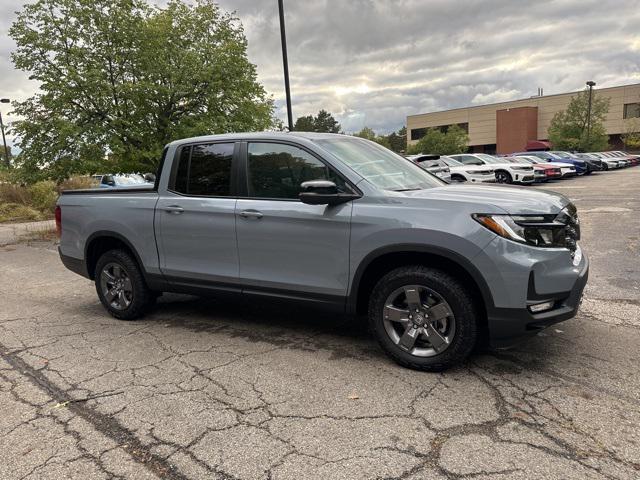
x: 130, y: 215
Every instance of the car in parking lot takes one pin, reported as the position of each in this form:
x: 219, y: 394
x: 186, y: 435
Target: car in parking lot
x: 577, y: 163
x: 592, y: 165
x: 468, y: 173
x: 338, y: 222
x: 619, y: 162
x: 633, y: 159
x: 567, y: 170
x: 543, y: 172
x: 606, y: 162
x: 432, y: 164
x: 506, y: 172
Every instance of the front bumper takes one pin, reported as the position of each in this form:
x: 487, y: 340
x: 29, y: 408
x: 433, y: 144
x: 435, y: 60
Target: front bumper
x: 509, y: 326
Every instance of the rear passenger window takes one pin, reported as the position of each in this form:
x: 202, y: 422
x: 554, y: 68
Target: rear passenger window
x: 277, y: 170
x: 205, y: 170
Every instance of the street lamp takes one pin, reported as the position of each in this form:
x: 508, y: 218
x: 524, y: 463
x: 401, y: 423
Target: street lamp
x: 4, y: 140
x: 590, y: 84
x: 285, y: 64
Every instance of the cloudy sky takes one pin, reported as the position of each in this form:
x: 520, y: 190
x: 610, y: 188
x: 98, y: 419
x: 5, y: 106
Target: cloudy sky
x: 373, y: 62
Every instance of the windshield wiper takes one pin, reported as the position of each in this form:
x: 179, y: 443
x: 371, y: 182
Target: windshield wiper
x: 408, y: 189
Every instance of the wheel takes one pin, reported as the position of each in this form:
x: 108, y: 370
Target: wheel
x: 423, y: 318
x: 503, y: 177
x: 588, y: 172
x: 458, y: 178
x: 605, y: 167
x: 121, y: 286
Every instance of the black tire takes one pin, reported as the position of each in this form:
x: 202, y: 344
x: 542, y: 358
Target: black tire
x: 452, y: 291
x: 605, y: 166
x: 588, y: 172
x: 503, y: 177
x: 458, y: 178
x: 140, y: 298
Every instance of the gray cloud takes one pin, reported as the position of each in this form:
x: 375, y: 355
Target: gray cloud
x: 373, y: 62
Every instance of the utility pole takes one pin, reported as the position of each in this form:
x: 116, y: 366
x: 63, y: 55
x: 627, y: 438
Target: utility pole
x: 4, y: 140
x: 590, y: 84
x: 285, y: 63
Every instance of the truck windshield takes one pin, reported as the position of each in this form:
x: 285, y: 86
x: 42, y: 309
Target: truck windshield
x: 380, y: 166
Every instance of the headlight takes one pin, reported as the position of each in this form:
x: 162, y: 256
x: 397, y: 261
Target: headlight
x: 537, y: 230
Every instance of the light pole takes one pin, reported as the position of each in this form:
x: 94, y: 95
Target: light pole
x: 4, y: 140
x: 285, y: 63
x: 590, y: 84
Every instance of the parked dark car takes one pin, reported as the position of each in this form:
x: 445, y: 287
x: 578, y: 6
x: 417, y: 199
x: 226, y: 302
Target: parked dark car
x: 592, y: 164
x: 579, y: 164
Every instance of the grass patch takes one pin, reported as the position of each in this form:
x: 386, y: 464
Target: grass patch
x: 15, y: 212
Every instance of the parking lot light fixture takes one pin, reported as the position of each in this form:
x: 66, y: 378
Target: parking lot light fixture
x: 590, y: 84
x: 4, y: 139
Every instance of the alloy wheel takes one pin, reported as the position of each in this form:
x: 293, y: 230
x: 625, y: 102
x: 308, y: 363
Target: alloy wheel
x: 502, y: 177
x: 116, y: 286
x: 419, y: 321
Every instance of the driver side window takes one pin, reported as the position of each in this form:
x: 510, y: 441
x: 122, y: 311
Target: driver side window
x: 277, y: 170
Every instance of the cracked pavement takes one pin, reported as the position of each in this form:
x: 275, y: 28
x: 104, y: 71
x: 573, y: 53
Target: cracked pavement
x: 208, y: 389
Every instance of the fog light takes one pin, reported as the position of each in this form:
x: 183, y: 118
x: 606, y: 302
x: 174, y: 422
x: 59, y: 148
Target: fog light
x: 541, y: 307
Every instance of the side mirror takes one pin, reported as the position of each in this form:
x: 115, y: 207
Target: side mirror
x: 323, y: 192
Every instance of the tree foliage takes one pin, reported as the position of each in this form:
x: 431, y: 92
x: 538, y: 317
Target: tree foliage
x: 435, y: 141
x: 119, y: 79
x: 568, y: 129
x: 631, y: 135
x: 369, y: 134
x: 322, y: 122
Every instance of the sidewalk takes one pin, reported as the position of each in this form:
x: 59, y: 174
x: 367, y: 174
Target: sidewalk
x: 11, y: 232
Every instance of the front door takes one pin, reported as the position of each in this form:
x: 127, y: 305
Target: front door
x: 196, y: 218
x: 285, y: 246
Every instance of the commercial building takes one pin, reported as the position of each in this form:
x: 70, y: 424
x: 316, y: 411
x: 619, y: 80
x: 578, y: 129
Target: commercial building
x: 507, y: 127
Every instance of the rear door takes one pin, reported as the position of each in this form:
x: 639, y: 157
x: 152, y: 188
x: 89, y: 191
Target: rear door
x: 196, y: 217
x: 287, y: 247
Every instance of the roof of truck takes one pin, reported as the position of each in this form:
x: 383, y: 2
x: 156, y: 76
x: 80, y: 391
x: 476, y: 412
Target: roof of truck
x: 259, y: 135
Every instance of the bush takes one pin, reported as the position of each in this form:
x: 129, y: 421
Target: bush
x: 13, y: 193
x: 44, y: 196
x: 18, y: 213
x: 77, y: 183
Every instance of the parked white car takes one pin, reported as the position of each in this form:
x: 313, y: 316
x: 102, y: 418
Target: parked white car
x: 505, y: 172
x: 468, y: 173
x: 566, y: 169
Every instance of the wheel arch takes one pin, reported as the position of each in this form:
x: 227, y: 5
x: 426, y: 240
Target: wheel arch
x: 102, y: 241
x: 381, y: 261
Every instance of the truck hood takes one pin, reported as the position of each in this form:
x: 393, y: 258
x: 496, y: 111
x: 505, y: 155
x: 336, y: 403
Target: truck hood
x: 512, y: 200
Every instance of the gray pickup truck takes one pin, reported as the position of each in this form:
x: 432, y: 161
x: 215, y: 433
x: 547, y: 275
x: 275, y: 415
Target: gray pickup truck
x: 339, y: 222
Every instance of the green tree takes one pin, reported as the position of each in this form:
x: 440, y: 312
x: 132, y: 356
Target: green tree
x: 305, y: 124
x: 631, y: 135
x: 569, y: 128
x: 323, y: 122
x: 435, y: 141
x: 398, y: 140
x: 369, y: 134
x: 119, y: 79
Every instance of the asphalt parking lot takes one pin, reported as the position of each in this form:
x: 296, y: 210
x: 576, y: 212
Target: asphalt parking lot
x: 202, y: 389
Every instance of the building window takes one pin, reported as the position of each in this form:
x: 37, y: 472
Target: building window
x: 418, y: 133
x: 631, y: 110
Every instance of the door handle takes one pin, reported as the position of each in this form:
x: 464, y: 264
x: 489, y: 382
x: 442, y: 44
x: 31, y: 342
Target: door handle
x: 175, y: 209
x: 251, y: 214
